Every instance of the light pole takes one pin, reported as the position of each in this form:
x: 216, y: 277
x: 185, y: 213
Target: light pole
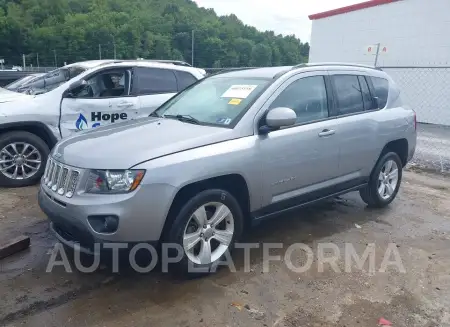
x: 192, y: 48
x: 56, y: 62
x: 114, y: 45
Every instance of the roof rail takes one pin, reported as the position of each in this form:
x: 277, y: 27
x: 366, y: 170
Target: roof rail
x: 333, y: 64
x: 173, y: 62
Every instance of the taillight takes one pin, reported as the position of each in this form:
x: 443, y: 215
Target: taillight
x: 415, y: 121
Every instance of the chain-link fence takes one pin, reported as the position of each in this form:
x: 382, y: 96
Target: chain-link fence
x: 427, y: 91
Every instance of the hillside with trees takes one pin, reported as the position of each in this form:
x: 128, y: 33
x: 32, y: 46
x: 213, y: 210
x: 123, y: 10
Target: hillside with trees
x: 73, y: 30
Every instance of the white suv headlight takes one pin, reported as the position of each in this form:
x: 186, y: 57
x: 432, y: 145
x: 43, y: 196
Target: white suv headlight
x: 114, y: 181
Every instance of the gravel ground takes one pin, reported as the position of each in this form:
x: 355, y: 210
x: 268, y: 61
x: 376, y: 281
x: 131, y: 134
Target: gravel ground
x: 418, y: 222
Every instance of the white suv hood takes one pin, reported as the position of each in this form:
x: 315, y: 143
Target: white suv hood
x: 8, y: 96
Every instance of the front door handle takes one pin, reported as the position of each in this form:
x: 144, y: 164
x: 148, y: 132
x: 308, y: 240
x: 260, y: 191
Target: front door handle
x: 327, y: 132
x: 124, y: 104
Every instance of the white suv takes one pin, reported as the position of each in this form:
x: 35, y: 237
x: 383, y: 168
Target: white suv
x: 77, y: 97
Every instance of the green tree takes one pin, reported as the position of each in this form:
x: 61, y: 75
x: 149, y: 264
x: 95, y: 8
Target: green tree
x: 244, y: 49
x: 160, y: 29
x: 261, y: 55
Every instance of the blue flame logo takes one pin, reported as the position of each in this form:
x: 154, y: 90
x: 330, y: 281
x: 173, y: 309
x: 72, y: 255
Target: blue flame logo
x: 81, y: 123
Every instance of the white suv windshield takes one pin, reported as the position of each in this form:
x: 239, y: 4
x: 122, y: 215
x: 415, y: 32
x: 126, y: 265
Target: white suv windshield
x: 215, y: 101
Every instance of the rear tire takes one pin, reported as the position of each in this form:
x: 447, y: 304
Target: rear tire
x: 197, y: 232
x: 26, y: 152
x: 384, y: 181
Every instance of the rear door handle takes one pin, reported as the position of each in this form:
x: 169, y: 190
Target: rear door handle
x: 327, y: 132
x: 124, y: 104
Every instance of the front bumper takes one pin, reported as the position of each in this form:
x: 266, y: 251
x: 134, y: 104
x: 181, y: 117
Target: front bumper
x: 141, y: 215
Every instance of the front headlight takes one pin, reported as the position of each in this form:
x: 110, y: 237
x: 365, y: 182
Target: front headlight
x: 114, y: 181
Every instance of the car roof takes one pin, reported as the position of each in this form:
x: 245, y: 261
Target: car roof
x: 265, y: 72
x: 90, y: 63
x: 173, y: 62
x: 275, y: 72
x: 139, y: 63
x: 150, y: 63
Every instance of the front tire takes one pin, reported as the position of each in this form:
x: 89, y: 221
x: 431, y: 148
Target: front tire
x: 384, y: 181
x: 206, y: 227
x: 23, y: 157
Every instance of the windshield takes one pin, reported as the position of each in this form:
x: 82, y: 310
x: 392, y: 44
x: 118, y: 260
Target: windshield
x: 218, y: 101
x: 51, y: 80
x: 19, y: 82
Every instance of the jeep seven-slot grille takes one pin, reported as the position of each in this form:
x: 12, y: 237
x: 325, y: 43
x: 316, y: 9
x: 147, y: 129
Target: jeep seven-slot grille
x: 61, y: 178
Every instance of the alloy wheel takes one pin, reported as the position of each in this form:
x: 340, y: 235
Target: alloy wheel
x: 388, y: 179
x: 208, y: 233
x: 19, y: 160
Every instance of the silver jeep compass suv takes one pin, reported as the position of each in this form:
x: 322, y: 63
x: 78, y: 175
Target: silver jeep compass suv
x: 229, y: 150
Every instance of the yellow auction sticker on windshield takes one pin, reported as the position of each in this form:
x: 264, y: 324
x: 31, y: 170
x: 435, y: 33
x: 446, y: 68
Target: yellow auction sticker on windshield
x: 235, y: 101
x: 239, y: 91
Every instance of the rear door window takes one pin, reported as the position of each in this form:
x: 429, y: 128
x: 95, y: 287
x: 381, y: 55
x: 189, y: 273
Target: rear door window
x: 369, y: 104
x: 349, y: 96
x: 381, y: 87
x: 150, y: 81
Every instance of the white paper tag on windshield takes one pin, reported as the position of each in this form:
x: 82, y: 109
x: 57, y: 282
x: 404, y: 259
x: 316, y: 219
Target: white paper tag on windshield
x: 239, y: 91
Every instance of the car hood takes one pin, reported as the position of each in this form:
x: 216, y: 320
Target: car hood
x: 8, y: 96
x: 123, y: 145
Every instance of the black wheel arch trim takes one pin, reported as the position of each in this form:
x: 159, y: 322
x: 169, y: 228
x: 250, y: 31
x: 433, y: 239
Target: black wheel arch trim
x: 22, y: 126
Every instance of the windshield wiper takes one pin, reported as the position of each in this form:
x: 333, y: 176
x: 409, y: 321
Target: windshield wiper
x: 184, y: 118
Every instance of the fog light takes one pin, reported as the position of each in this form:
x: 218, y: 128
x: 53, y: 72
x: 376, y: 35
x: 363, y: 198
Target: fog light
x: 105, y: 224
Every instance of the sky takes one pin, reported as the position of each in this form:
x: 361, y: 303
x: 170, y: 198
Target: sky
x: 282, y: 16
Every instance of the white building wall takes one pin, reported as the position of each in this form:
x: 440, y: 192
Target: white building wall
x: 416, y: 34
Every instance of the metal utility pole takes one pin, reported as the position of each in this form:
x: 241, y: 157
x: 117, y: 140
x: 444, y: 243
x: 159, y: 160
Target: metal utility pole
x: 56, y: 62
x: 192, y: 48
x: 376, y: 55
x: 100, y: 51
x: 23, y: 62
x: 37, y: 59
x: 114, y: 46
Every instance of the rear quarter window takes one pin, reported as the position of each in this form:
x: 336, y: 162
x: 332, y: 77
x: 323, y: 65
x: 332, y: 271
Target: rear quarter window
x: 381, y: 88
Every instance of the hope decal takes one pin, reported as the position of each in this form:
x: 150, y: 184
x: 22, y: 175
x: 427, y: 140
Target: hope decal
x: 99, y: 117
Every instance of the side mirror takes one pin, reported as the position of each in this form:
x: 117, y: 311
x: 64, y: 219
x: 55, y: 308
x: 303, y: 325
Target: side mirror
x: 278, y: 117
x: 75, y: 87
